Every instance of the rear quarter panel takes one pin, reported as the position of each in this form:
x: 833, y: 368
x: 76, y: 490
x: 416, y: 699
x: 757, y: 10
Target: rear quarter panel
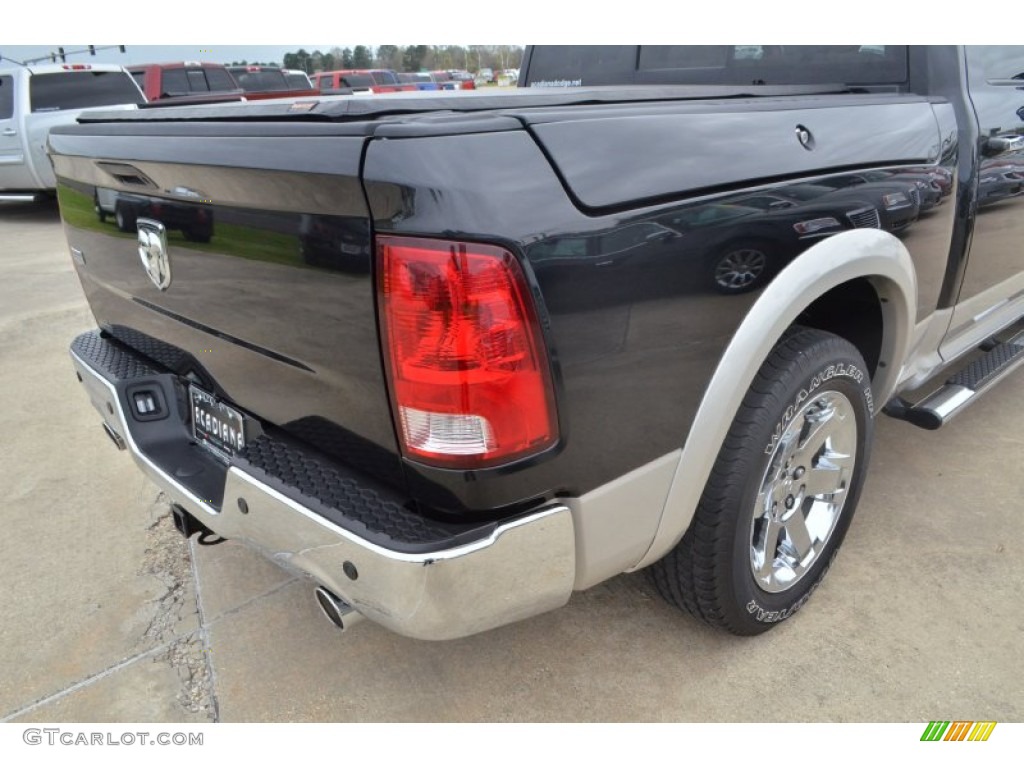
x: 635, y: 321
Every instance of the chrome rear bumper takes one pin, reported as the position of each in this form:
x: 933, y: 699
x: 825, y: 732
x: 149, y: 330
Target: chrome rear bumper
x: 521, y: 568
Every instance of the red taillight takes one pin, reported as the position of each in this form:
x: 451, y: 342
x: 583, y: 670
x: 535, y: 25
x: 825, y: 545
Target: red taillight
x: 468, y: 368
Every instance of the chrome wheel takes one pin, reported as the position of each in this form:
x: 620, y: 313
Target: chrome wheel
x: 783, y: 491
x: 803, y: 491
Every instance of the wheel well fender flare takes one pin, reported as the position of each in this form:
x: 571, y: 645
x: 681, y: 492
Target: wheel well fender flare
x: 869, y: 254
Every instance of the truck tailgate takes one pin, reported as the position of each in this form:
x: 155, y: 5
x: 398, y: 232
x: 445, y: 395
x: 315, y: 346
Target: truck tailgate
x: 270, y: 299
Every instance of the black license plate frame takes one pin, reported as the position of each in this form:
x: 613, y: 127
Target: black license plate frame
x: 216, y: 425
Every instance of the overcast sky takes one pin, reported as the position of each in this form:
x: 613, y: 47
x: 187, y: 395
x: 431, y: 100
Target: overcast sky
x: 146, y: 54
x: 405, y: 22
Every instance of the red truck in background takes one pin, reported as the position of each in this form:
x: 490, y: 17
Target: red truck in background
x: 360, y: 80
x: 186, y: 81
x: 260, y: 82
x: 454, y: 80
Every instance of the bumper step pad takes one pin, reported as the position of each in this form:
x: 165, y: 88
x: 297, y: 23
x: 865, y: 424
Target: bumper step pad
x: 351, y: 502
x: 111, y: 358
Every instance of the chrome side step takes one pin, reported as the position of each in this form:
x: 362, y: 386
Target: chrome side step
x: 961, y: 389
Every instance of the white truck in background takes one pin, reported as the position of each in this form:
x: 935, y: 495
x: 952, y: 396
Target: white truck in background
x: 34, y: 99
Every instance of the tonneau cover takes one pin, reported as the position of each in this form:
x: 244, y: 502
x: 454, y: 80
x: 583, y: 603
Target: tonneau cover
x: 362, y: 108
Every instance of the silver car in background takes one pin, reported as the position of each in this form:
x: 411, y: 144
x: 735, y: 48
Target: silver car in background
x: 34, y: 99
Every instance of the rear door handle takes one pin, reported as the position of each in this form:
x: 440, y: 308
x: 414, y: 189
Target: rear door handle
x: 10, y: 132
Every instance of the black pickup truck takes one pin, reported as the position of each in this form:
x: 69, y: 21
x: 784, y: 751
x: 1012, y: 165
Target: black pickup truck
x: 455, y: 355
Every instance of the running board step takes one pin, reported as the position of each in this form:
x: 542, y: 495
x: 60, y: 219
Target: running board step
x: 962, y: 389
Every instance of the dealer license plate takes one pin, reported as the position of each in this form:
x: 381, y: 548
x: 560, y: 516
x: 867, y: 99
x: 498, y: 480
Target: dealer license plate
x: 215, y: 425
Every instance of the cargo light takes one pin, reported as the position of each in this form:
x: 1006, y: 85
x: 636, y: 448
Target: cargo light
x: 470, y: 384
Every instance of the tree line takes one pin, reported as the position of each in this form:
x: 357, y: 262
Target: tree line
x: 409, y: 58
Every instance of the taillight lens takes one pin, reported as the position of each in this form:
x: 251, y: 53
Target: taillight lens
x: 468, y: 368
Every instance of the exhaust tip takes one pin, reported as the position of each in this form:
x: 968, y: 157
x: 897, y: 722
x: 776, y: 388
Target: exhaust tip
x: 338, y: 612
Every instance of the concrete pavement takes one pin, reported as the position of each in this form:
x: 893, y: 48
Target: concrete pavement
x: 109, y: 615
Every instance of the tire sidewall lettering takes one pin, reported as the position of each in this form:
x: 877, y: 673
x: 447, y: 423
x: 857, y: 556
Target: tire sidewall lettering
x: 772, y: 617
x: 843, y: 370
x: 766, y: 616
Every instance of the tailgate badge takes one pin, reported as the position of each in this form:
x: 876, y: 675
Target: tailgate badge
x: 153, y: 252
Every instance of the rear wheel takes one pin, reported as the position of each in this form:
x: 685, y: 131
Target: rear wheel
x: 782, y: 492
x: 123, y: 218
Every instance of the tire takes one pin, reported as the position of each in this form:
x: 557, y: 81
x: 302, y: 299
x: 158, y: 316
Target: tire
x: 125, y: 221
x: 804, y: 429
x: 100, y: 213
x: 742, y: 266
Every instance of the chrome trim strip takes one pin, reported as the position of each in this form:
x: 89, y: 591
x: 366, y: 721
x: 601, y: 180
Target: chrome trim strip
x: 986, y: 312
x: 523, y: 568
x: 947, y: 401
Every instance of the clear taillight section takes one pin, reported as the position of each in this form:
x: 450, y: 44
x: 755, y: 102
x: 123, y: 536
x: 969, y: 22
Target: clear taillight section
x: 466, y: 361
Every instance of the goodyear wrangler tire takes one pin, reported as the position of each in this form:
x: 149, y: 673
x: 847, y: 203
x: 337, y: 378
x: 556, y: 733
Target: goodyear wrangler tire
x: 782, y: 492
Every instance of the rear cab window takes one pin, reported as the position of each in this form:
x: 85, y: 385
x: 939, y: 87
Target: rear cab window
x: 219, y: 79
x: 358, y: 81
x: 180, y: 81
x: 555, y: 66
x: 56, y: 91
x: 174, y: 82
x: 260, y: 80
x: 297, y: 80
x: 197, y: 80
x: 384, y: 77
